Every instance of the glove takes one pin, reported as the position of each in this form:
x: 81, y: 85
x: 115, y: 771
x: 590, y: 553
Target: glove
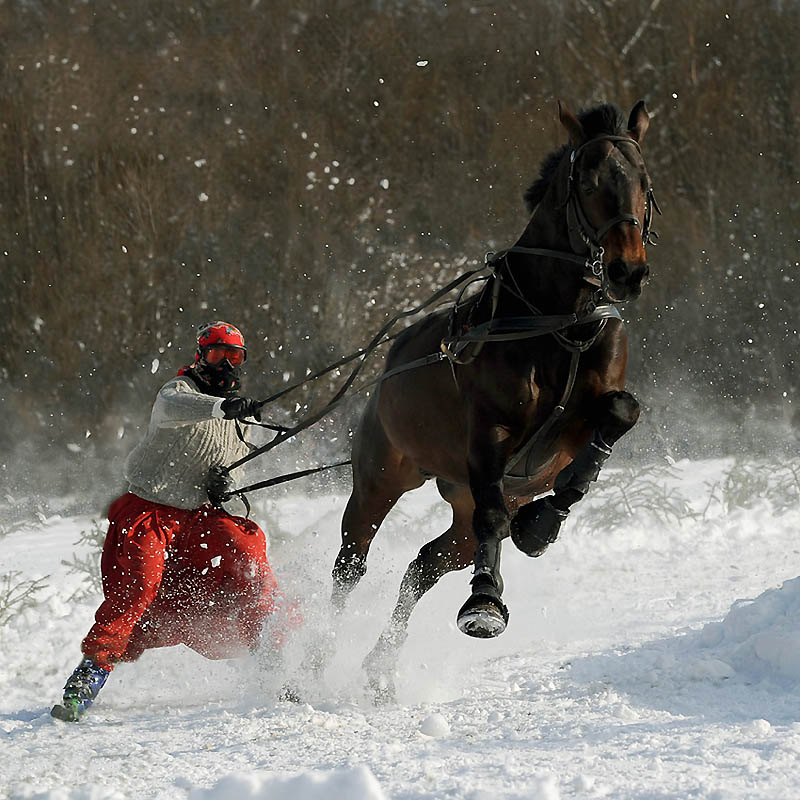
x: 217, y: 486
x: 241, y: 407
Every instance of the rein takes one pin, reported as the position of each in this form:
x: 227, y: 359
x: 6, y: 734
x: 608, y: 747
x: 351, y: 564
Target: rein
x: 583, y: 237
x: 511, y: 328
x: 283, y: 434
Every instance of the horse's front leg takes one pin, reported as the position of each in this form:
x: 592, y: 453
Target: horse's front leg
x: 484, y: 615
x: 537, y: 524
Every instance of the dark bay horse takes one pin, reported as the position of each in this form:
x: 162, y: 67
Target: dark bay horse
x: 530, y: 398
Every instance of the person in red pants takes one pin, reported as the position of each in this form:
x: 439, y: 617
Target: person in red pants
x: 176, y: 569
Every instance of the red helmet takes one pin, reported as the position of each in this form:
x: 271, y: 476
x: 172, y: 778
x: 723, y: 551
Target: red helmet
x: 219, y: 334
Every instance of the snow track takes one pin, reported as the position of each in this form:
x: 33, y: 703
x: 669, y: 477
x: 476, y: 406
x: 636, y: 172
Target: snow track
x: 652, y: 652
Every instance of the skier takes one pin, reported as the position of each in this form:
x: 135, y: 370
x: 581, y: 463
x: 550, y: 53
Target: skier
x: 175, y: 568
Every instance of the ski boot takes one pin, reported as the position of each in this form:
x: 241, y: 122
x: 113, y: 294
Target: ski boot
x: 80, y: 691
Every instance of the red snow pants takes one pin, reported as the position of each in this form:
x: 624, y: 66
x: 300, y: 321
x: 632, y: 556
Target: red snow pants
x: 198, y: 577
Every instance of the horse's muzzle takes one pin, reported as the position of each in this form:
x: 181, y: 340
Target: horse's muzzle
x: 625, y: 280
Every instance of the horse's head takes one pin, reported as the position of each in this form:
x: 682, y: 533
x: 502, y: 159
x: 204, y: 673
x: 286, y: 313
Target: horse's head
x: 609, y: 199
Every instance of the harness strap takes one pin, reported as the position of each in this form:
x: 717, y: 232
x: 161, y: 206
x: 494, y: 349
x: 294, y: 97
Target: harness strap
x: 494, y: 258
x: 512, y: 328
x: 415, y: 364
x: 525, y: 450
x: 592, y: 263
x: 455, y: 353
x: 376, y: 341
x: 524, y: 330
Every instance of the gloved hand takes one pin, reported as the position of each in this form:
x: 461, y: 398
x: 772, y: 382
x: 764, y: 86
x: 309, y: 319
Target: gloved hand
x: 217, y: 486
x: 241, y: 407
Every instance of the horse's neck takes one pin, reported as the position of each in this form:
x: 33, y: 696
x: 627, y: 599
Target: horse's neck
x: 552, y: 285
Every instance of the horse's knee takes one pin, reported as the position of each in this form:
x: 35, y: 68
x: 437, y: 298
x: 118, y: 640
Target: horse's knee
x: 617, y: 413
x: 490, y: 522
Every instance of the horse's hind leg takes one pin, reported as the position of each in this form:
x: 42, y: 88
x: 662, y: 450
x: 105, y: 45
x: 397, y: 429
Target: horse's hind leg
x: 381, y: 475
x: 370, y: 502
x: 452, y: 550
x: 366, y: 509
x: 537, y: 524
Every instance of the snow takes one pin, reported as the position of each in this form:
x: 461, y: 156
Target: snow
x: 356, y: 782
x: 652, y: 652
x: 435, y: 725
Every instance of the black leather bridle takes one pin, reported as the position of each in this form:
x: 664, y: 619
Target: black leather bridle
x: 583, y: 236
x: 577, y: 221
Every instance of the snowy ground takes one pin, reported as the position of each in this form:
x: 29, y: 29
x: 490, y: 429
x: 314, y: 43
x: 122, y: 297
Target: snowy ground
x: 653, y: 652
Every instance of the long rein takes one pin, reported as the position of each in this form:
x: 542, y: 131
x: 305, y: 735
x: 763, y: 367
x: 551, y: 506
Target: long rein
x: 284, y: 434
x: 504, y: 329
x: 582, y: 234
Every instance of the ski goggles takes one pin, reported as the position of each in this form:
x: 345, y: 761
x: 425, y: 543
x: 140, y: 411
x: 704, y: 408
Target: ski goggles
x: 216, y: 353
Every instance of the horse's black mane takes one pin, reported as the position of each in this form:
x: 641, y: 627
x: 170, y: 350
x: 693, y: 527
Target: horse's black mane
x: 604, y: 118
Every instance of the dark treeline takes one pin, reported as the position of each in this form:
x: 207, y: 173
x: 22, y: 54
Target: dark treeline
x: 306, y: 168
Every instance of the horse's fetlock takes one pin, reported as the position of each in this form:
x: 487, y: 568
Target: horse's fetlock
x: 487, y: 556
x: 485, y: 582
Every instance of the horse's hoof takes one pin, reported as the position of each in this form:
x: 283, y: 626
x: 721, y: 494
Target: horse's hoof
x: 482, y: 618
x: 536, y: 526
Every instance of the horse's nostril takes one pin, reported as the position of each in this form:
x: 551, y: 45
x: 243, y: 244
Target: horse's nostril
x: 617, y: 271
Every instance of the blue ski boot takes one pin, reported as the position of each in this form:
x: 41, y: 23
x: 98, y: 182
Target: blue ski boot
x: 80, y: 691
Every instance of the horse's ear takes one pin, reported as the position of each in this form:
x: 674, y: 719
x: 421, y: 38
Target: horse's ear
x: 574, y: 128
x: 638, y: 121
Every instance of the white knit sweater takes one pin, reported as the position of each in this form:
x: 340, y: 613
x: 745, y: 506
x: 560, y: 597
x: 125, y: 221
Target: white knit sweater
x: 187, y: 435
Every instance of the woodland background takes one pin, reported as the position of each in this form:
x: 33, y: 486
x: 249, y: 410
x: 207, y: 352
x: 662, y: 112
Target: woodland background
x: 307, y: 168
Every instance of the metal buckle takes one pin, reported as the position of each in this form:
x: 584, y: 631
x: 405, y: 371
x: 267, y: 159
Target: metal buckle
x: 596, y: 266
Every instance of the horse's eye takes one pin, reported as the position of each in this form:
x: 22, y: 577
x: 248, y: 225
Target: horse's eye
x: 590, y: 181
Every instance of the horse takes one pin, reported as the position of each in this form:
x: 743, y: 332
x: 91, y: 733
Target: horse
x: 515, y: 391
